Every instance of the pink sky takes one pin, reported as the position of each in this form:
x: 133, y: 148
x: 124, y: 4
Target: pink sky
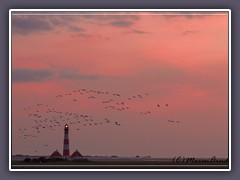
x: 179, y: 59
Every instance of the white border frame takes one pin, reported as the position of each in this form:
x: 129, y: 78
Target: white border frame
x: 122, y: 10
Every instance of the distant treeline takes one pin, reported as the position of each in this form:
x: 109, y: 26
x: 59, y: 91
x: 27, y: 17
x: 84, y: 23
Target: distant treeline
x: 51, y: 159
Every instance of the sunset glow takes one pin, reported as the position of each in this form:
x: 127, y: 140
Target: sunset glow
x: 166, y: 71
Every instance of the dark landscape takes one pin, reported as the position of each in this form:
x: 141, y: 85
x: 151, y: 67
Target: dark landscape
x: 115, y: 163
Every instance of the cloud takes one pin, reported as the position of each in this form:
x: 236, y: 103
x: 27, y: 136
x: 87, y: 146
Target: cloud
x: 23, y: 75
x: 26, y: 24
x: 121, y: 23
x: 190, y: 15
x: 83, y: 35
x: 31, y: 75
x: 204, y: 12
x: 107, y: 17
x: 135, y: 31
x: 76, y: 29
x: 72, y: 74
x: 139, y: 31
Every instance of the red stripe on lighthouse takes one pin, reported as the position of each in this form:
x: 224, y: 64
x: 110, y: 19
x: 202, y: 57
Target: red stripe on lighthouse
x: 66, y: 151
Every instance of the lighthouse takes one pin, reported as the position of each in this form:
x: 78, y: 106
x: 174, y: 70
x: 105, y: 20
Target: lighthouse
x: 66, y: 152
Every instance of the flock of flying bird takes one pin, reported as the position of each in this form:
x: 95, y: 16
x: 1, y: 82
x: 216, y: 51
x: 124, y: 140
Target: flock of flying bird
x: 44, y: 117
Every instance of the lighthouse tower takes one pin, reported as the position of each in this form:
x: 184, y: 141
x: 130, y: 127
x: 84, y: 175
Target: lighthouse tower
x: 66, y: 152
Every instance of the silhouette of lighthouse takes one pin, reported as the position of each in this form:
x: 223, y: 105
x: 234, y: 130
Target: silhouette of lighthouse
x: 66, y: 152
